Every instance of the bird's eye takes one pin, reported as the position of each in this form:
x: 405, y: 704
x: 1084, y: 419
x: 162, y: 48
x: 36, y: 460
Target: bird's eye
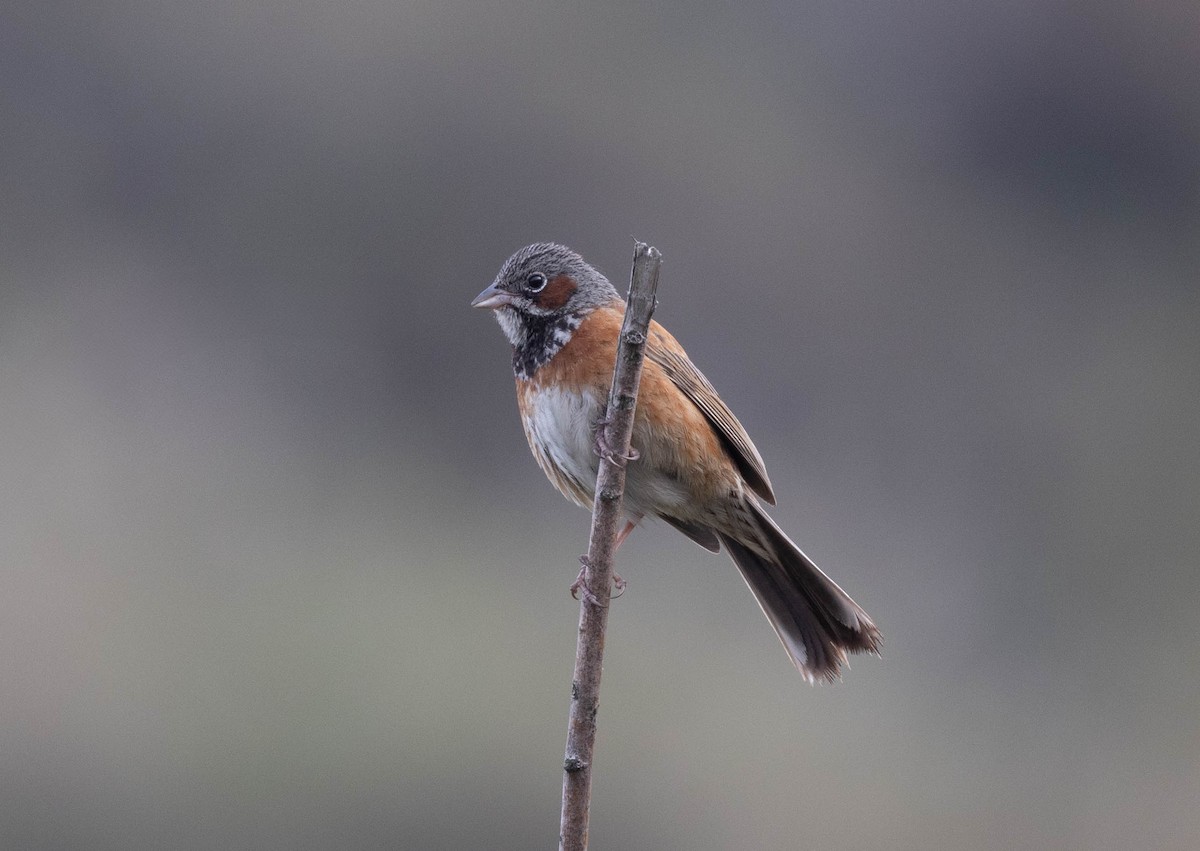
x: 536, y: 282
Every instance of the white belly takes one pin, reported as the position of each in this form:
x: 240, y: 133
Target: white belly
x: 561, y: 426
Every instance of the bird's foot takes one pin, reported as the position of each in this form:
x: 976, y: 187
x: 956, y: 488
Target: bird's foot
x: 605, y: 451
x: 580, y: 589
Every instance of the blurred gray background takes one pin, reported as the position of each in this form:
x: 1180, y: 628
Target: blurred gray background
x: 279, y: 572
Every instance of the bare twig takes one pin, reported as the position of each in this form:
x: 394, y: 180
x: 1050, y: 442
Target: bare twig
x: 598, y: 565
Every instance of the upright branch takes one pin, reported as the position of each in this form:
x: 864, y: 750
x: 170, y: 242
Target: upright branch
x: 597, y: 572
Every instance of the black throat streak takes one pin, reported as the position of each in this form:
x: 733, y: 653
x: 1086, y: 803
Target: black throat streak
x: 541, y: 340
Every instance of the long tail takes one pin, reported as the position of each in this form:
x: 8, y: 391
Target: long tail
x: 816, y: 620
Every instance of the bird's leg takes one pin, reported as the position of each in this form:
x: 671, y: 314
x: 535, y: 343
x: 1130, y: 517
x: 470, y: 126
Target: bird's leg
x: 630, y: 525
x: 619, y: 582
x: 579, y: 586
x: 606, y: 452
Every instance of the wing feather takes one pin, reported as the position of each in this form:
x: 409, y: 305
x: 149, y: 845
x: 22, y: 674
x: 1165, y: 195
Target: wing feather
x: 670, y: 356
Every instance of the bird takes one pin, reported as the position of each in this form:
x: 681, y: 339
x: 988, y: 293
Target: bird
x: 691, y: 464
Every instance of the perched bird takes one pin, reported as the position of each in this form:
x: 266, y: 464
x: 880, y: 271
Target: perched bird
x: 694, y: 465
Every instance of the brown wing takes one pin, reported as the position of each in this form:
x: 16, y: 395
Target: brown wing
x: 668, y: 354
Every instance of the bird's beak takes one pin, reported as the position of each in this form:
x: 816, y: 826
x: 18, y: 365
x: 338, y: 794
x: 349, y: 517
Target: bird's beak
x: 493, y: 298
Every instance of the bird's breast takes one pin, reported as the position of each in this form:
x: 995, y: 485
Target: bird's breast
x: 681, y: 465
x: 559, y: 424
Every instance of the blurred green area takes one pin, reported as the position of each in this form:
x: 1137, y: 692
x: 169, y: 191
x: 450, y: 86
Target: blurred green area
x: 279, y: 571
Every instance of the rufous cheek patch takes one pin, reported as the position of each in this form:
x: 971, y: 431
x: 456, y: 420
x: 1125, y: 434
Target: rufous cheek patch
x: 557, y: 292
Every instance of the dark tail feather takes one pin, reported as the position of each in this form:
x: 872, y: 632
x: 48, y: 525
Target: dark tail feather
x: 816, y: 620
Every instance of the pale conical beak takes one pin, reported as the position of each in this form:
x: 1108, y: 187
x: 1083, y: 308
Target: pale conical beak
x: 493, y: 298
